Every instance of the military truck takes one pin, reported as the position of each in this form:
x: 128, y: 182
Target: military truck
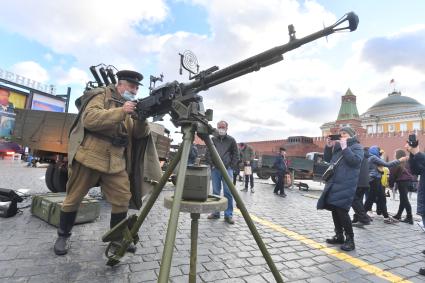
x: 310, y: 167
x: 46, y: 134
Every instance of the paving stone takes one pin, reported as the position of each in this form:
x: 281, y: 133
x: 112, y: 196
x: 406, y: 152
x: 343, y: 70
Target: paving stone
x: 237, y: 272
x: 318, y: 280
x: 306, y: 262
x: 210, y: 266
x: 211, y: 276
x: 144, y: 266
x: 143, y: 276
x: 226, y: 253
x: 254, y: 279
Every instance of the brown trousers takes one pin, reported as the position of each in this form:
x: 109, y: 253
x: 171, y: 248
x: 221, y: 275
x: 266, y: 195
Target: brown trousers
x: 115, y: 187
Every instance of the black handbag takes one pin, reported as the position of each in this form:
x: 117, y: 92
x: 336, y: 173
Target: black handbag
x: 8, y: 202
x: 330, y: 171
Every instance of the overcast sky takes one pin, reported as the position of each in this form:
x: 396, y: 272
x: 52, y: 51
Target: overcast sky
x: 55, y: 42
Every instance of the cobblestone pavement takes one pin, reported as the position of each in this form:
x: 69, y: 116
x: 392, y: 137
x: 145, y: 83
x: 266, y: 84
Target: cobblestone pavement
x: 293, y: 230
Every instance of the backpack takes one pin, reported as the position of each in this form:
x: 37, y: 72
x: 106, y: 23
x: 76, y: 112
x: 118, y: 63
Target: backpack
x: 8, y: 202
x: 384, y: 178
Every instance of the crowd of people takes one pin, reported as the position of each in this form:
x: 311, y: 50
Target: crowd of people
x: 356, y: 171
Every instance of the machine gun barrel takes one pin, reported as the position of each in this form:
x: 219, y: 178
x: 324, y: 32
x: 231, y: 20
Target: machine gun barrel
x: 165, y: 98
x: 268, y: 57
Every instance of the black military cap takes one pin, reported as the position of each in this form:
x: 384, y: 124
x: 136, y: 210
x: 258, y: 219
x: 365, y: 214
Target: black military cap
x: 130, y: 76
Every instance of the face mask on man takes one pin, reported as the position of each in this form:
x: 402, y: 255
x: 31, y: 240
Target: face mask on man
x: 222, y: 132
x: 128, y: 96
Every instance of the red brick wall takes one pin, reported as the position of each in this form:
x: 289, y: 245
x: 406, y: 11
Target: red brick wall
x: 388, y: 142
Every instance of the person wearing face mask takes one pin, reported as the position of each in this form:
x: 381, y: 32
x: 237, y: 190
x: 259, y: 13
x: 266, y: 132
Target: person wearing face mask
x: 338, y: 194
x: 228, y: 151
x: 106, y: 146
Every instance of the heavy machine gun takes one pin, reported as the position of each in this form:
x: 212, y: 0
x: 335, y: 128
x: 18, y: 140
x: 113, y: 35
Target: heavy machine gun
x: 174, y: 97
x: 183, y: 103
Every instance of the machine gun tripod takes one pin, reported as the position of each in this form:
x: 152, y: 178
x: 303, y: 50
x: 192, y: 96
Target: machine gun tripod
x: 127, y: 229
x: 183, y: 103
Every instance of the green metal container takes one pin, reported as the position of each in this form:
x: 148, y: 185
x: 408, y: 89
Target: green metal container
x: 197, y: 183
x: 47, y: 207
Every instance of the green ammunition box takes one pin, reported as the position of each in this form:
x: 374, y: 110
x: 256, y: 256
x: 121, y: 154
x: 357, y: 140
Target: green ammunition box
x: 197, y: 183
x: 47, y: 207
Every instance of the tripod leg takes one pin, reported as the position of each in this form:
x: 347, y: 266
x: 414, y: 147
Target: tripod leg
x: 193, y: 246
x: 164, y: 271
x: 156, y: 191
x: 219, y: 164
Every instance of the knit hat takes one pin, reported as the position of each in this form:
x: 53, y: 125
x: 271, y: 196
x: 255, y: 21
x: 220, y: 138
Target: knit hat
x: 348, y: 130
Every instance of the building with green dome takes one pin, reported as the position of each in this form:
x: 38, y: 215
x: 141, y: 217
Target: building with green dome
x: 392, y: 114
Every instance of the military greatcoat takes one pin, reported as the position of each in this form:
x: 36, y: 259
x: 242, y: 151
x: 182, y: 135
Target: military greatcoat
x: 101, y: 119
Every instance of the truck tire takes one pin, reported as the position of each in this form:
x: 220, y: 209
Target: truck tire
x: 49, y: 178
x: 60, y: 177
x: 263, y: 175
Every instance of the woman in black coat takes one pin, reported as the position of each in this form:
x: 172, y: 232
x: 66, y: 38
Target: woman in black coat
x: 340, y: 189
x: 417, y: 167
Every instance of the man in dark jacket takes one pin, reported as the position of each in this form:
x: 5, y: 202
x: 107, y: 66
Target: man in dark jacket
x: 228, y: 151
x: 360, y: 216
x: 417, y: 167
x: 281, y: 166
x: 338, y: 195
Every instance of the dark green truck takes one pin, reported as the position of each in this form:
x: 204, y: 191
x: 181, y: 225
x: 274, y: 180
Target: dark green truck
x: 310, y: 167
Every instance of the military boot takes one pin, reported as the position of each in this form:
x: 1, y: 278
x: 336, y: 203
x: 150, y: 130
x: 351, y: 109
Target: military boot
x: 348, y: 244
x: 337, y: 239
x: 67, y: 220
x: 117, y: 218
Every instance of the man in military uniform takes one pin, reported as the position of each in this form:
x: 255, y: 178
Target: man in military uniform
x: 101, y: 150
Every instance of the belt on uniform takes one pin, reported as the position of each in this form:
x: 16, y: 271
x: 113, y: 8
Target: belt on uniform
x: 121, y: 141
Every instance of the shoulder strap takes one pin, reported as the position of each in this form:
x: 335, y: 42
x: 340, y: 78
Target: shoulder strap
x: 82, y: 102
x: 338, y: 160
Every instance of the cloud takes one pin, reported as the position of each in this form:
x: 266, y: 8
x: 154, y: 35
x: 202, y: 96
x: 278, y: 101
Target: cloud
x: 91, y: 31
x: 403, y: 49
x: 32, y: 70
x: 73, y: 76
x: 291, y: 97
x: 314, y: 109
x: 48, y: 57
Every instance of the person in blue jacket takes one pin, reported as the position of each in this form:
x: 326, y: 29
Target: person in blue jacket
x: 377, y: 191
x: 340, y: 189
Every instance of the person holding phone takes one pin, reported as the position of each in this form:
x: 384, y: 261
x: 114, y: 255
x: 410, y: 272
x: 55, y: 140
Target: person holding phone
x: 417, y: 167
x: 346, y: 154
